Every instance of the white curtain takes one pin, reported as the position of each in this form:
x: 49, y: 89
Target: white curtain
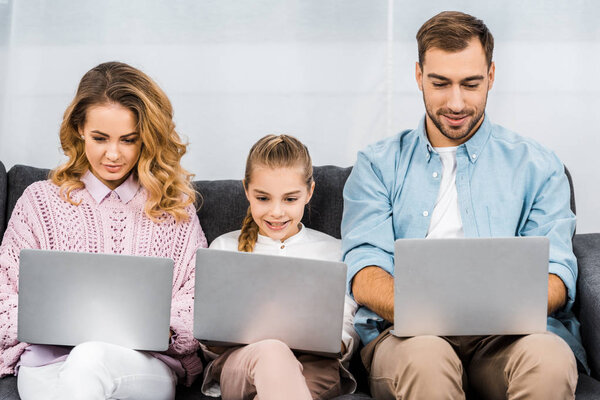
x: 338, y: 74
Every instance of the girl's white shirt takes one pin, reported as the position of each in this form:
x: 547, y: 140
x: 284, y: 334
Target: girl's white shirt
x: 307, y: 243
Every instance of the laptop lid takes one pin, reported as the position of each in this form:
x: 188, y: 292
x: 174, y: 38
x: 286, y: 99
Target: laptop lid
x: 475, y: 286
x: 243, y: 298
x: 68, y: 298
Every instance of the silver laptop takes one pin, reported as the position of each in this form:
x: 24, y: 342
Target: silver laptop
x: 483, y: 286
x: 69, y: 298
x: 243, y: 298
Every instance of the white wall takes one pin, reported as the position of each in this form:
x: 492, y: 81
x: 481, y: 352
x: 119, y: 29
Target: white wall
x: 337, y: 74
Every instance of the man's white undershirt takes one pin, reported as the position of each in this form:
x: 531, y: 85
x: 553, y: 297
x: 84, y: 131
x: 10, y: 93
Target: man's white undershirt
x: 445, y: 218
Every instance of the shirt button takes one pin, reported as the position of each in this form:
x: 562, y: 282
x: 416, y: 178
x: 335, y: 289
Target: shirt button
x: 425, y: 213
x: 473, y: 156
x: 282, y: 246
x: 435, y: 174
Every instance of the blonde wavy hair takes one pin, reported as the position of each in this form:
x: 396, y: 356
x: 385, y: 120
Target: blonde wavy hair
x: 158, y: 169
x: 272, y: 151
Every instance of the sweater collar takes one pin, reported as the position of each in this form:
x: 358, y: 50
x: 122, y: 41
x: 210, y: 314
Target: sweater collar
x: 98, y: 190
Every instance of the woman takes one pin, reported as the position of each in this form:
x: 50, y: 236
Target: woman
x: 121, y: 191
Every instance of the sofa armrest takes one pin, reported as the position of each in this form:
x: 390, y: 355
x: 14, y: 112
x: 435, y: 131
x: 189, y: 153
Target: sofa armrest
x: 587, y: 250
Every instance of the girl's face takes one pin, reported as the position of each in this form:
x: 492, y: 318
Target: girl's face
x: 112, y: 144
x: 277, y: 198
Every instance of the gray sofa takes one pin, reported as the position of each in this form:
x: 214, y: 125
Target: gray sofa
x: 224, y: 206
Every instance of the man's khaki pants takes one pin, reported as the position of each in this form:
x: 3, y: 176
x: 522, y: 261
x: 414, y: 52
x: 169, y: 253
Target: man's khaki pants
x: 537, y: 366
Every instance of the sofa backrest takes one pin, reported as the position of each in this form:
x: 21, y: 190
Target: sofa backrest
x: 19, y: 177
x: 3, y: 190
x: 568, y: 174
x: 222, y: 203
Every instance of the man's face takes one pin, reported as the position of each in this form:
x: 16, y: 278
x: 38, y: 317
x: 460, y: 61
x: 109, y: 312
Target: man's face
x: 455, y: 87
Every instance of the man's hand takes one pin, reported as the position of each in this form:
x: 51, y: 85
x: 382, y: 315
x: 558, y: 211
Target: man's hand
x: 557, y: 293
x: 374, y: 287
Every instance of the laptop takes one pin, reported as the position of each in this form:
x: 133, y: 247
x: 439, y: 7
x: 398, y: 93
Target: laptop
x: 69, y: 298
x: 476, y: 286
x: 243, y: 298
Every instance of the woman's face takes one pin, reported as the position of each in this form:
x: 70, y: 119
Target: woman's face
x: 112, y: 143
x: 277, y: 198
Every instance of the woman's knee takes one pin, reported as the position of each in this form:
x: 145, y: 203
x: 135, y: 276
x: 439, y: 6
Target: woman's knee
x: 87, y: 354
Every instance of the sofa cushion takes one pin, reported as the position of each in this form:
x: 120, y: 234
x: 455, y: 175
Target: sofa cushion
x: 221, y: 206
x: 324, y: 212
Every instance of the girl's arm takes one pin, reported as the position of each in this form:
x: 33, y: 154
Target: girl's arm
x: 349, y: 336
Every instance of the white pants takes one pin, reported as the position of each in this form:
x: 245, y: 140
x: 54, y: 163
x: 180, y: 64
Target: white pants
x: 95, y: 370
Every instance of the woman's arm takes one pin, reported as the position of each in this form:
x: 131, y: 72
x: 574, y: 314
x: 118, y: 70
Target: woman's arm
x: 22, y: 232
x: 182, y: 305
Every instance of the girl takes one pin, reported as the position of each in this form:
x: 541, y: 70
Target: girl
x: 123, y: 191
x: 278, y: 184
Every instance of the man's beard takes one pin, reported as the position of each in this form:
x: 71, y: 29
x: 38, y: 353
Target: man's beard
x: 455, y: 135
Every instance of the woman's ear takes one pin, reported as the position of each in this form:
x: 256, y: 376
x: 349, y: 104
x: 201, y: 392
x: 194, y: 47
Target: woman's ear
x: 311, y: 190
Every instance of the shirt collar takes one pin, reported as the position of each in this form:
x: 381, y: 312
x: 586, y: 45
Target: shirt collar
x: 98, y: 190
x: 276, y: 242
x: 427, y: 147
x: 476, y: 143
x: 473, y: 146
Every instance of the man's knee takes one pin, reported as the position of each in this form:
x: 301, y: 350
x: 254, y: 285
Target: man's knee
x: 417, y: 367
x: 543, y: 362
x: 547, y: 351
x: 423, y: 355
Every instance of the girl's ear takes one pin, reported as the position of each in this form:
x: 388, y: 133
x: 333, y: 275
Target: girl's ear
x: 310, y: 192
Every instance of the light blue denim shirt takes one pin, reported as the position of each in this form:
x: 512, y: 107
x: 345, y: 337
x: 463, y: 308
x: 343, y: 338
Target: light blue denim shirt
x: 507, y: 185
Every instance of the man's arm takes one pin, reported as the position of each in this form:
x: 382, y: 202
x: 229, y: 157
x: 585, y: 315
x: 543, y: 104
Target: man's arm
x: 373, y: 287
x: 550, y: 215
x: 367, y: 227
x: 557, y: 293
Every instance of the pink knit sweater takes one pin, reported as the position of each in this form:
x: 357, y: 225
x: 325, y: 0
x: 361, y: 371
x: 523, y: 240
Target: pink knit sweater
x: 43, y: 220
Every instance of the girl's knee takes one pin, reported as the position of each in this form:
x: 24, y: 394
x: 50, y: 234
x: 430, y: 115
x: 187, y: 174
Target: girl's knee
x: 272, y: 349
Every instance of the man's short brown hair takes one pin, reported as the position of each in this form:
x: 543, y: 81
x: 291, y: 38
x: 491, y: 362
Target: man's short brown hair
x: 451, y: 31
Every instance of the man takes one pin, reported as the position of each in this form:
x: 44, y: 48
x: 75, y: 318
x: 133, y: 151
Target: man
x: 459, y: 175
